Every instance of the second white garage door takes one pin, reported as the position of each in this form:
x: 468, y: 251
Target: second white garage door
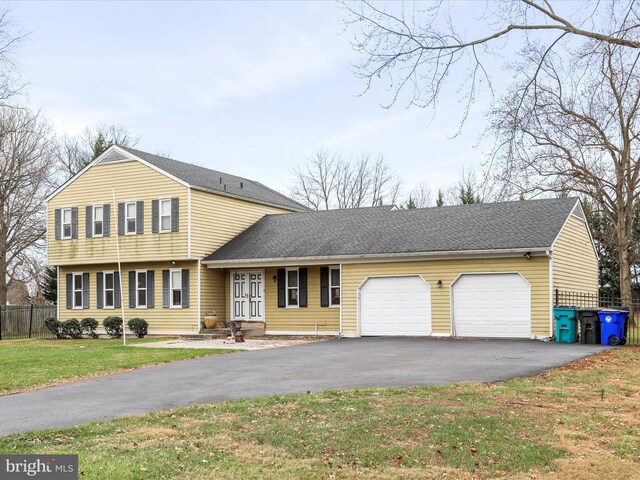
x: 492, y: 305
x: 395, y: 306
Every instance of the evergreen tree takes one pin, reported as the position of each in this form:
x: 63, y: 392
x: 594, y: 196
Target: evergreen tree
x: 411, y: 204
x: 50, y: 284
x: 440, y: 199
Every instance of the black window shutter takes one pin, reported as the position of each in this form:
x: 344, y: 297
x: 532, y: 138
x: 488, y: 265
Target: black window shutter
x: 139, y: 217
x: 99, y: 290
x: 185, y: 288
x: 151, y: 295
x: 282, y: 288
x: 302, y: 281
x: 57, y: 217
x: 74, y: 222
x: 106, y: 219
x: 155, y: 216
x: 121, y: 219
x: 175, y: 214
x: 69, y: 290
x: 89, y: 218
x: 324, y: 287
x: 116, y: 290
x: 165, y: 289
x: 85, y: 290
x: 132, y: 289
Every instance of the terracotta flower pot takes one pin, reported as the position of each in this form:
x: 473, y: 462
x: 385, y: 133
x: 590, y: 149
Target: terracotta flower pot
x: 210, y: 321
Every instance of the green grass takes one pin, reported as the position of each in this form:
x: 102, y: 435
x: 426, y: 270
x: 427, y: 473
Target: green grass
x: 34, y: 363
x: 557, y: 425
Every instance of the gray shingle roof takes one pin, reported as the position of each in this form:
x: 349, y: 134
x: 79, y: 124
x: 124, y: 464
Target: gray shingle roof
x: 531, y: 224
x: 218, y: 182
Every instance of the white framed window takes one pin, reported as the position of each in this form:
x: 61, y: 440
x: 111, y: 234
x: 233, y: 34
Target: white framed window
x: 109, y: 290
x: 175, y: 288
x: 130, y: 218
x: 141, y: 289
x: 334, y: 286
x: 77, y: 290
x: 293, y: 287
x: 66, y: 223
x: 165, y: 215
x: 98, y: 221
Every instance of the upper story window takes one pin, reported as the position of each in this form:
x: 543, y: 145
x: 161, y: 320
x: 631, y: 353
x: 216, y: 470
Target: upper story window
x: 165, y: 215
x: 334, y: 286
x: 293, y: 288
x: 66, y: 223
x: 130, y: 218
x: 98, y: 220
x: 176, y: 288
x: 77, y: 290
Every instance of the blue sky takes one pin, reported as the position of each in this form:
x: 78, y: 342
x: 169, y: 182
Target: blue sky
x: 247, y: 88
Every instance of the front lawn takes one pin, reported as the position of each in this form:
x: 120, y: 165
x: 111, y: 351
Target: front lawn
x: 34, y: 363
x: 581, y: 421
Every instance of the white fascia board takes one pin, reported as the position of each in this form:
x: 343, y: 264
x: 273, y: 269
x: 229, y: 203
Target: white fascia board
x: 375, y: 258
x: 593, y: 243
x: 122, y: 152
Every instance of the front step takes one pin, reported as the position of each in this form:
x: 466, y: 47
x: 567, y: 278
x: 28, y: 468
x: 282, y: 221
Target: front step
x: 217, y: 333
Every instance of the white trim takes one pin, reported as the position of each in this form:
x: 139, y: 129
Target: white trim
x: 263, y: 317
x: 171, y: 289
x: 310, y: 333
x: 401, y: 275
x: 583, y: 220
x: 442, y: 334
x: 104, y: 290
x: 455, y: 280
x: 373, y: 258
x: 62, y: 210
x: 126, y: 217
x: 341, y: 299
x: 93, y: 220
x: 199, y: 310
x: 189, y: 224
x: 551, y: 289
x: 73, y: 290
x: 101, y: 157
x: 160, y: 200
x: 146, y: 289
x: 58, y: 292
x: 286, y: 287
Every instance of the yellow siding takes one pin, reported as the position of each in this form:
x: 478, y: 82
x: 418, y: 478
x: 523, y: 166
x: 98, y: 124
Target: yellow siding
x: 575, y: 264
x: 132, y: 181
x: 534, y: 270
x: 216, y: 219
x: 213, y: 292
x: 326, y: 319
x: 161, y: 320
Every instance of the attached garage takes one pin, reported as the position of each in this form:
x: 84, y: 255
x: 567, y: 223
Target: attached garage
x: 395, y: 306
x: 491, y: 305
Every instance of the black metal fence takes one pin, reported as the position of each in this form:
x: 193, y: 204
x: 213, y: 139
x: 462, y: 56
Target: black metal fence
x: 594, y: 300
x: 18, y: 322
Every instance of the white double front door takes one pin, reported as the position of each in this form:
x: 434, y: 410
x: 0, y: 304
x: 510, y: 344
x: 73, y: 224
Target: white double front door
x: 247, y: 295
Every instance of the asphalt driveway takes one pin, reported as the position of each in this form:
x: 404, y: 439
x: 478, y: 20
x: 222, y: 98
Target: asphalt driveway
x: 313, y: 367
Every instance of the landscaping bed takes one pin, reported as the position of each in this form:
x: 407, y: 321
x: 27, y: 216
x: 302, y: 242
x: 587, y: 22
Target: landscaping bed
x: 29, y: 364
x: 581, y: 421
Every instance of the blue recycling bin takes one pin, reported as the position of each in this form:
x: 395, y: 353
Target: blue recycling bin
x: 612, y: 326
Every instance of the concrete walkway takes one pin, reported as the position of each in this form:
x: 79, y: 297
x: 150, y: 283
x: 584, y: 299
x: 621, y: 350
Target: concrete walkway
x: 333, y: 364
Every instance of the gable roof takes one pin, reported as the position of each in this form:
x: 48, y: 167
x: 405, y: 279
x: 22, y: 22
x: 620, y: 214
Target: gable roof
x: 530, y: 225
x: 196, y: 177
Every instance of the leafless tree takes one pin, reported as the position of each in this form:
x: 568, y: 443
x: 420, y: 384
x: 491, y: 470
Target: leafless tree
x: 420, y: 197
x: 418, y: 48
x: 26, y: 163
x: 10, y: 38
x: 329, y: 180
x: 576, y: 128
x: 76, y: 152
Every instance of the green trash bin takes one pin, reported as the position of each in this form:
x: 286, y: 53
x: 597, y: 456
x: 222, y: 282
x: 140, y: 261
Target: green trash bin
x: 566, y: 324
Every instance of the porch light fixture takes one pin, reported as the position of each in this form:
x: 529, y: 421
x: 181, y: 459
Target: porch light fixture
x: 439, y: 283
x: 172, y: 262
x: 527, y: 255
x: 275, y: 277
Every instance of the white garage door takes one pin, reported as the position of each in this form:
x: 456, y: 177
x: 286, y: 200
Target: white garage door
x: 395, y: 306
x: 492, y: 305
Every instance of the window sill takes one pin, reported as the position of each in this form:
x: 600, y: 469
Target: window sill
x: 334, y: 306
x: 292, y: 306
